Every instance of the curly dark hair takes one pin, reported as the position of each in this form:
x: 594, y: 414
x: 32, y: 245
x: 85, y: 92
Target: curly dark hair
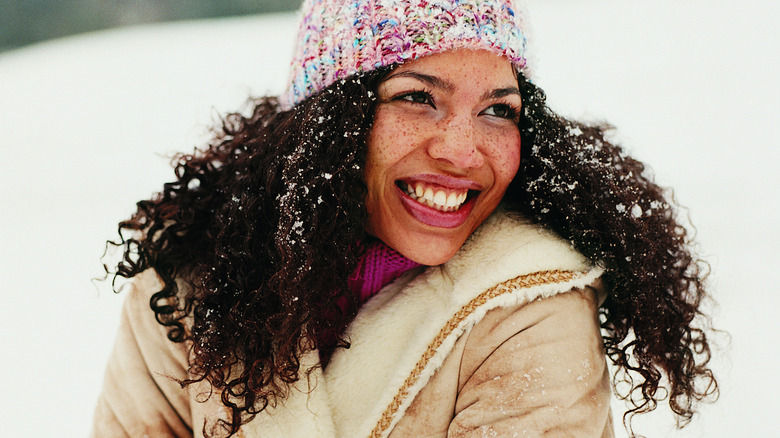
x: 255, y: 239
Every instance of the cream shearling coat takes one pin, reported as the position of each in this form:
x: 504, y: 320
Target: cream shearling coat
x: 502, y: 340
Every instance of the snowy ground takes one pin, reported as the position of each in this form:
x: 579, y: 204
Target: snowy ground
x: 86, y: 123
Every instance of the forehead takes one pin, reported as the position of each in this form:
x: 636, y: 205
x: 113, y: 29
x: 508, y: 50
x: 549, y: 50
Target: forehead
x: 468, y: 63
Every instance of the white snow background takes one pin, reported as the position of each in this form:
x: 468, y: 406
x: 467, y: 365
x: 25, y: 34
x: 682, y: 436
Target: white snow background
x: 86, y: 124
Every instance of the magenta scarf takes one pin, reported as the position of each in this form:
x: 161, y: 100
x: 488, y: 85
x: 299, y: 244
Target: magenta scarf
x: 378, y: 267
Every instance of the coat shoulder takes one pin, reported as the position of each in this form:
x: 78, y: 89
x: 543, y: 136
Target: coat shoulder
x: 535, y: 366
x: 141, y: 391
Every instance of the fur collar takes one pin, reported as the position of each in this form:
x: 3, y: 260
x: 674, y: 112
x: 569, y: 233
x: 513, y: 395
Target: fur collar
x: 402, y: 335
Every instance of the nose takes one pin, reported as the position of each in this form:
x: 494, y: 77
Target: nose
x: 457, y: 142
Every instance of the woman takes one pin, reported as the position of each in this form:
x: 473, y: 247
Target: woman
x: 409, y: 243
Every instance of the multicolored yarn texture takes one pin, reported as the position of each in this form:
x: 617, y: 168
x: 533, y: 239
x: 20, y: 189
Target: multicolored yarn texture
x: 341, y: 38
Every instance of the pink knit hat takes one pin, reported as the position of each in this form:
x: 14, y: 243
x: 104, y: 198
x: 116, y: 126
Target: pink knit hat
x: 339, y: 38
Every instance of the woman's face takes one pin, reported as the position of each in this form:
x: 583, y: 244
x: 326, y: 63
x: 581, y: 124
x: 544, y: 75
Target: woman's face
x: 443, y: 149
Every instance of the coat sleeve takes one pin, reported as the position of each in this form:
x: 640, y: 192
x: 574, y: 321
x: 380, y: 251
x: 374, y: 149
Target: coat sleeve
x: 140, y: 395
x: 535, y: 370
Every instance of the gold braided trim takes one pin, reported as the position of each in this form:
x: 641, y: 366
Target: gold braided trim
x: 521, y: 282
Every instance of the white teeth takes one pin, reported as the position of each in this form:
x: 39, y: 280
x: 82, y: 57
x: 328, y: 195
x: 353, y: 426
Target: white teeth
x: 439, y: 200
x: 452, y: 200
x: 428, y: 197
x: 410, y: 192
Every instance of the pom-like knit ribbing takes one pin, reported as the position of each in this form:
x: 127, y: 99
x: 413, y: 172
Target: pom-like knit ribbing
x: 379, y: 266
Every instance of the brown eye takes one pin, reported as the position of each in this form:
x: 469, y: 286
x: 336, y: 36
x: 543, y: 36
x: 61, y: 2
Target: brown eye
x: 417, y: 97
x: 501, y: 110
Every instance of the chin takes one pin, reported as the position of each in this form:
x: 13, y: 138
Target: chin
x: 428, y: 251
x: 432, y: 259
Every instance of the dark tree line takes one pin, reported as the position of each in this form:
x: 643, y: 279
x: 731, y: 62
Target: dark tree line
x: 24, y: 22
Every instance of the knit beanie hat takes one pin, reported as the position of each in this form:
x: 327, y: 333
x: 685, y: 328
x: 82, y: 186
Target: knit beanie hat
x: 340, y: 38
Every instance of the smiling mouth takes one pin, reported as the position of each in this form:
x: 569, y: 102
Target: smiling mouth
x: 442, y: 199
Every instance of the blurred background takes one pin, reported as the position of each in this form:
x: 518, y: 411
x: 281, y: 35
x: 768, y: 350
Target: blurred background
x: 88, y: 124
x: 24, y: 22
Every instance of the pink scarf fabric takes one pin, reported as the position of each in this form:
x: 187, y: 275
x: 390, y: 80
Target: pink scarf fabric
x: 378, y: 267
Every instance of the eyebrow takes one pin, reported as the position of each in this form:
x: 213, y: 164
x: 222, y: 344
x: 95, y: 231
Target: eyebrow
x: 501, y: 92
x: 437, y: 82
x: 433, y: 81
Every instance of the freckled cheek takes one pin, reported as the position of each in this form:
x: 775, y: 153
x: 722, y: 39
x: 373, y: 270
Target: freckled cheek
x: 388, y: 146
x: 506, y: 158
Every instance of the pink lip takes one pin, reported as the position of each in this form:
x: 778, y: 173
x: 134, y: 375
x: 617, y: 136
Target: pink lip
x: 444, y: 181
x: 431, y: 216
